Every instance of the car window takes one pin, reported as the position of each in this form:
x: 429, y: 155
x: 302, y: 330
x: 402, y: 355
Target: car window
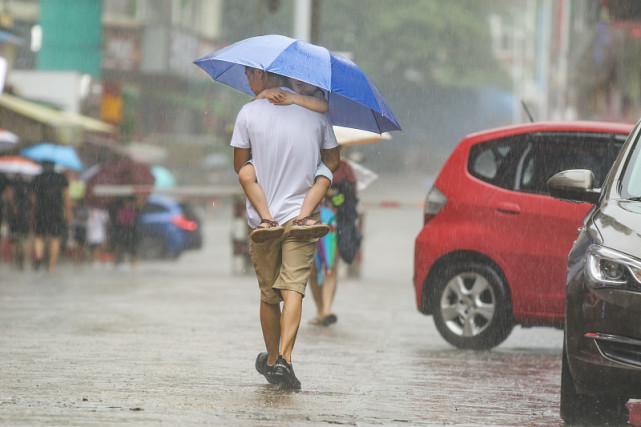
x: 548, y: 154
x: 494, y: 161
x: 631, y: 182
x: 152, y: 208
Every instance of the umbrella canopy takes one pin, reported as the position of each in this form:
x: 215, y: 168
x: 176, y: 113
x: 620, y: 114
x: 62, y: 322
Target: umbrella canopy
x: 120, y: 172
x: 19, y: 165
x: 62, y: 155
x: 8, y: 140
x: 164, y: 178
x: 354, y: 100
x: 349, y: 136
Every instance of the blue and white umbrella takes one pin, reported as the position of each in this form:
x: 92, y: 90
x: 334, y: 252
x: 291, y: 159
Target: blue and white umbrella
x: 354, y: 100
x: 62, y: 155
x: 164, y: 178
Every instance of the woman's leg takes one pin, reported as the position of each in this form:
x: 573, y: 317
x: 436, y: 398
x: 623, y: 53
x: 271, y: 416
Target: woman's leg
x: 329, y: 290
x: 317, y: 294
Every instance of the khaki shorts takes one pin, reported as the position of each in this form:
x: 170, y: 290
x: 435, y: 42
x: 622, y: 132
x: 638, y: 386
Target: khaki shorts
x: 283, y: 263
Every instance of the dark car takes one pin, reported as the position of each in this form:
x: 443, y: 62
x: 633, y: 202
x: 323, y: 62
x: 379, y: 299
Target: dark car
x: 601, y: 366
x: 493, y: 249
x: 167, y: 228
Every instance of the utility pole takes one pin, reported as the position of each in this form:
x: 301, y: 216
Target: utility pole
x: 302, y: 19
x: 307, y: 18
x: 261, y: 17
x: 315, y: 22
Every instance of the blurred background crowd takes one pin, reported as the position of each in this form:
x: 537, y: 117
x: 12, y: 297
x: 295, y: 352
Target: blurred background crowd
x: 115, y: 79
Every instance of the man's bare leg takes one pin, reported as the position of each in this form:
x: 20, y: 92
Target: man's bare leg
x: 39, y: 247
x: 54, y: 251
x: 270, y: 323
x: 289, y: 321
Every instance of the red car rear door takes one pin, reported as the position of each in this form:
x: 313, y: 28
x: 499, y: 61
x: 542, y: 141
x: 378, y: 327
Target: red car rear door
x: 537, y: 231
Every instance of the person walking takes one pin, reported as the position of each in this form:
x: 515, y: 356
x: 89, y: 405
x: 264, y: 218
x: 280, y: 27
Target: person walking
x: 343, y: 242
x: 126, y: 233
x: 19, y: 214
x: 285, y: 143
x: 97, y: 220
x: 52, y: 212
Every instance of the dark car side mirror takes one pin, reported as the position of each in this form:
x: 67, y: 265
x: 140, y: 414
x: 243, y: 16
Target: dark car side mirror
x: 575, y: 185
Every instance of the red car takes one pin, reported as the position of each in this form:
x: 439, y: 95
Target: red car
x: 494, y: 245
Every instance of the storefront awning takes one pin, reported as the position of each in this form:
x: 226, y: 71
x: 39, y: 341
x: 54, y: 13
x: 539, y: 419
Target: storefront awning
x: 37, y: 123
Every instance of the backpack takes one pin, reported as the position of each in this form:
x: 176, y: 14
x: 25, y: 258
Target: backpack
x: 348, y: 236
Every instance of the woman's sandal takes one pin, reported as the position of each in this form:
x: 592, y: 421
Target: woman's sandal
x: 330, y: 319
x: 301, y: 230
x: 271, y: 230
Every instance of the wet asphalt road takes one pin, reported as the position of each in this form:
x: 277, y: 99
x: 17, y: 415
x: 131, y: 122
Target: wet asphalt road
x: 174, y: 343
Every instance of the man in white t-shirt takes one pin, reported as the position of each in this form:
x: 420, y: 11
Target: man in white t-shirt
x: 285, y: 143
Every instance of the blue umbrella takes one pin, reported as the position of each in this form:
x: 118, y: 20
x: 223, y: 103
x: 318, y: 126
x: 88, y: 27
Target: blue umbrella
x: 62, y: 155
x: 164, y: 178
x: 354, y: 100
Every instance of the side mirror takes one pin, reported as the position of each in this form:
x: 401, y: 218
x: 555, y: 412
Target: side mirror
x: 575, y: 185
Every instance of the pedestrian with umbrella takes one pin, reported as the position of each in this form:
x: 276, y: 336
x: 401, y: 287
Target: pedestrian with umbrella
x: 52, y: 212
x: 285, y: 153
x: 286, y: 143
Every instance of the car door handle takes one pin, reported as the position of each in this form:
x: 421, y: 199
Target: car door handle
x: 508, y: 208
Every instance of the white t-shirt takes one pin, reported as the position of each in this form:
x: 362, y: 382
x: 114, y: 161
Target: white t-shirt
x: 285, y: 143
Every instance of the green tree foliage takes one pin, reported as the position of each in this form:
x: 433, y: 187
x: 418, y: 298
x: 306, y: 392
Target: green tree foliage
x: 424, y: 41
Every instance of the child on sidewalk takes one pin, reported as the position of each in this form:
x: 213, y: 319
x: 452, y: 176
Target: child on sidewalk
x: 312, y: 98
x: 97, y: 220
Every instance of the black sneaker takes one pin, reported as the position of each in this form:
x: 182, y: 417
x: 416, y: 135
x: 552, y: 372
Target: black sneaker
x: 284, y: 372
x: 264, y: 369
